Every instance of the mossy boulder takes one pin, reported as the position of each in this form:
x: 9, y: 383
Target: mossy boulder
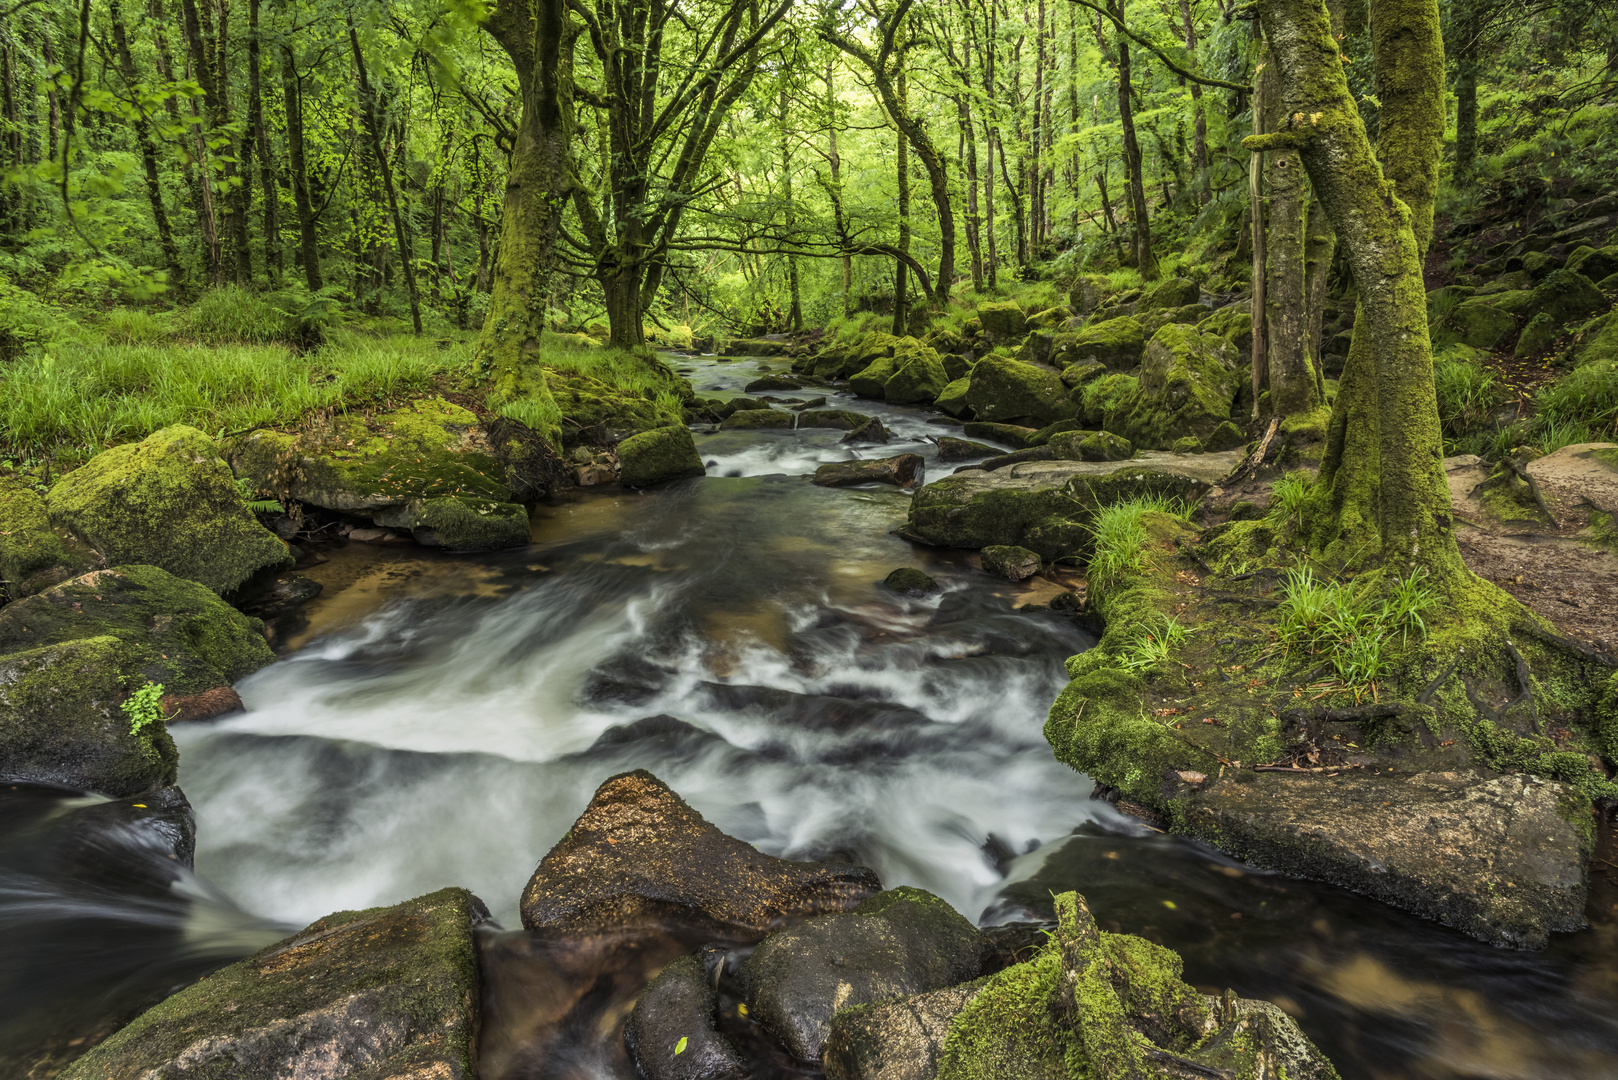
x: 169, y: 501
x: 1187, y: 386
x: 1234, y: 325
x: 1004, y: 322
x: 33, y: 555
x: 836, y: 419
x: 952, y: 399
x: 1566, y: 296
x: 1101, y: 396
x: 1117, y: 343
x: 1598, y: 341
x: 1010, y: 562
x: 1478, y: 323
x: 1015, y: 434
x: 386, y: 992
x: 1088, y: 292
x: 1537, y: 336
x: 1190, y: 314
x: 1539, y: 264
x: 1594, y: 263
x: 60, y: 721
x: 1001, y: 390
x: 908, y: 581
x: 1091, y: 446
x: 1188, y: 445
x: 756, y: 420
x: 460, y: 523
x: 1077, y: 375
x: 598, y: 413
x: 903, y: 941
x: 1050, y: 317
x: 667, y: 453
x: 429, y: 448
x: 918, y: 376
x: 1169, y: 293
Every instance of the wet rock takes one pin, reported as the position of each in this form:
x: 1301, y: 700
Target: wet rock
x: 805, y: 406
x: 33, y: 555
x: 1496, y: 857
x: 168, y: 630
x: 836, y: 419
x: 168, y: 501
x: 950, y: 449
x: 387, y: 992
x: 772, y: 382
x: 909, y: 581
x: 1010, y: 562
x: 654, y: 457
x: 816, y: 712
x: 1046, y: 506
x: 904, y: 941
x: 1002, y: 390
x: 903, y: 470
x: 462, y: 523
x: 670, y: 1033
x: 1032, y: 453
x: 208, y: 705
x: 757, y: 419
x: 894, y: 1040
x: 1014, y: 434
x: 639, y: 854
x: 666, y: 736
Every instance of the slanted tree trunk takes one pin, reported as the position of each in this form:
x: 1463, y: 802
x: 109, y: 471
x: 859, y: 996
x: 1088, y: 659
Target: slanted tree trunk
x: 373, y: 129
x: 537, y: 187
x: 148, y: 149
x: 1145, y: 261
x: 1384, y: 234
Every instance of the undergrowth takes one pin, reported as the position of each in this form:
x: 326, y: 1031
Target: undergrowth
x: 1357, y: 627
x: 1120, y: 536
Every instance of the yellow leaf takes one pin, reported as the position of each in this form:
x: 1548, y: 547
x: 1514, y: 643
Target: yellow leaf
x: 741, y: 1010
x: 679, y: 1047
x: 1169, y: 904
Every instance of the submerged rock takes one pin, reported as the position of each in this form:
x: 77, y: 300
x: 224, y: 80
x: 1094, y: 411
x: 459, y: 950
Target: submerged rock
x: 894, y: 1040
x: 639, y: 854
x: 1010, y: 562
x: 837, y: 419
x: 910, y: 582
x: 387, y: 992
x: 900, y: 942
x: 652, y: 457
x: 870, y: 433
x: 168, y: 501
x: 902, y: 470
x: 670, y: 1033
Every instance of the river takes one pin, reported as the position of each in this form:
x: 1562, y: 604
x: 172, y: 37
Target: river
x: 442, y: 720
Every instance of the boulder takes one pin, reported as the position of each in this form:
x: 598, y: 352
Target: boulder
x: 460, y: 523
x: 1003, y: 390
x: 1099, y: 397
x: 956, y: 365
x: 169, y: 630
x: 904, y: 941
x: 904, y: 470
x: 386, y: 992
x: 638, y: 855
x: 1010, y: 562
x: 757, y: 420
x: 1538, y: 264
x: 772, y: 382
x: 1047, y: 506
x: 1082, y: 373
x: 670, y: 1033
x: 1566, y: 296
x: 1188, y: 385
x: 1054, y: 316
x: 1117, y: 343
x: 838, y: 419
x: 1536, y: 338
x: 1004, y: 322
x: 169, y: 501
x: 867, y: 434
x: 1169, y: 293
x: 1096, y: 1005
x: 1091, y: 446
x: 653, y: 457
x: 1479, y: 323
x: 1492, y: 856
x: 1016, y: 435
x: 33, y: 555
x: 909, y: 581
x: 894, y: 1040
x: 60, y: 722
x: 1088, y: 292
x: 952, y: 399
x: 429, y: 448
x: 1594, y: 263
x: 910, y: 373
x: 1572, y: 482
x: 952, y: 449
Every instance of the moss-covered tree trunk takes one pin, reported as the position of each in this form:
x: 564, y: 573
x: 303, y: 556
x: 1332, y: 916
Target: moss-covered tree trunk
x: 540, y: 180
x: 1384, y: 219
x: 1145, y: 261
x: 1292, y: 381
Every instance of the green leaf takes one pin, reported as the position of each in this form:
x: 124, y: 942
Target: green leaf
x: 679, y: 1047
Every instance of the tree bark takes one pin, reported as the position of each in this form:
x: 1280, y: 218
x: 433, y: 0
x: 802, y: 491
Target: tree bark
x: 1384, y: 238
x: 373, y: 129
x: 901, y: 154
x: 148, y: 149
x: 1292, y: 379
x: 1200, y: 126
x: 266, y: 164
x: 1466, y: 86
x: 308, y: 239
x: 1145, y: 261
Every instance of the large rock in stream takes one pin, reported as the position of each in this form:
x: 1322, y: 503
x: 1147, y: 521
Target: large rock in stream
x: 1045, y: 505
x: 639, y: 855
x: 383, y: 993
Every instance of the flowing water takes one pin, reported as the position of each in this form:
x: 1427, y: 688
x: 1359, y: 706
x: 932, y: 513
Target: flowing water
x: 442, y: 720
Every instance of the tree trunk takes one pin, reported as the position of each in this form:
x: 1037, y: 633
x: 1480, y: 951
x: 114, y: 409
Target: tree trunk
x: 537, y: 188
x: 373, y: 128
x: 1466, y: 86
x: 148, y: 149
x: 839, y: 221
x: 1036, y: 145
x: 195, y: 182
x: 266, y: 165
x: 1383, y: 235
x: 974, y: 218
x: 308, y: 239
x: 901, y: 288
x: 1145, y: 261
x: 199, y: 53
x: 1263, y: 87
x: 1293, y: 382
x: 795, y: 302
x: 1200, y: 127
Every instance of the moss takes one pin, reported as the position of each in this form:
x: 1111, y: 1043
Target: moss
x: 952, y: 399
x: 1117, y: 343
x: 1002, y: 390
x: 1232, y: 324
x: 1482, y: 323
x: 1077, y: 375
x: 467, y: 524
x: 32, y: 555
x: 1309, y: 427
x: 167, y: 501
x: 173, y: 631
x: 1006, y: 1030
x: 668, y: 453
x: 755, y: 420
x: 1566, y: 296
x: 1188, y: 385
x: 1004, y: 321
x: 60, y: 722
x: 1170, y: 293
x: 598, y: 413
x: 1103, y: 396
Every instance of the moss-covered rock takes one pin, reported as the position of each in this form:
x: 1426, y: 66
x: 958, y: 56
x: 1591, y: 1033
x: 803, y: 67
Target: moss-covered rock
x: 60, y: 721
x: 1010, y: 562
x: 1594, y: 263
x: 172, y: 631
x: 1014, y: 434
x: 1075, y: 376
x: 1234, y: 325
x: 1050, y: 317
x: 903, y: 941
x: 1190, y: 314
x: 1539, y: 264
x: 1087, y: 293
x: 1099, y: 397
x: 756, y: 419
x: 1188, y: 385
x: 386, y: 992
x: 664, y: 454
x: 1001, y: 390
x: 1169, y: 293
x: 918, y: 376
x: 1004, y: 322
x: 908, y: 581
x: 1481, y: 323
x: 599, y: 413
x: 1537, y: 336
x: 1598, y: 341
x: 460, y: 523
x: 1091, y: 446
x: 169, y: 501
x: 33, y: 555
x: 1566, y: 296
x: 1187, y: 445
x: 1117, y: 343
x: 952, y: 399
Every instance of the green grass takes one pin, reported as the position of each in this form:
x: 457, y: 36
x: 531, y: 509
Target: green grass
x: 1288, y: 498
x: 1121, y: 537
x: 86, y: 399
x: 1356, y: 626
x: 1467, y: 395
x: 1152, y: 646
x: 1587, y: 399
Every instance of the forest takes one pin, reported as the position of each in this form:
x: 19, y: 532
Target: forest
x: 1068, y: 539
